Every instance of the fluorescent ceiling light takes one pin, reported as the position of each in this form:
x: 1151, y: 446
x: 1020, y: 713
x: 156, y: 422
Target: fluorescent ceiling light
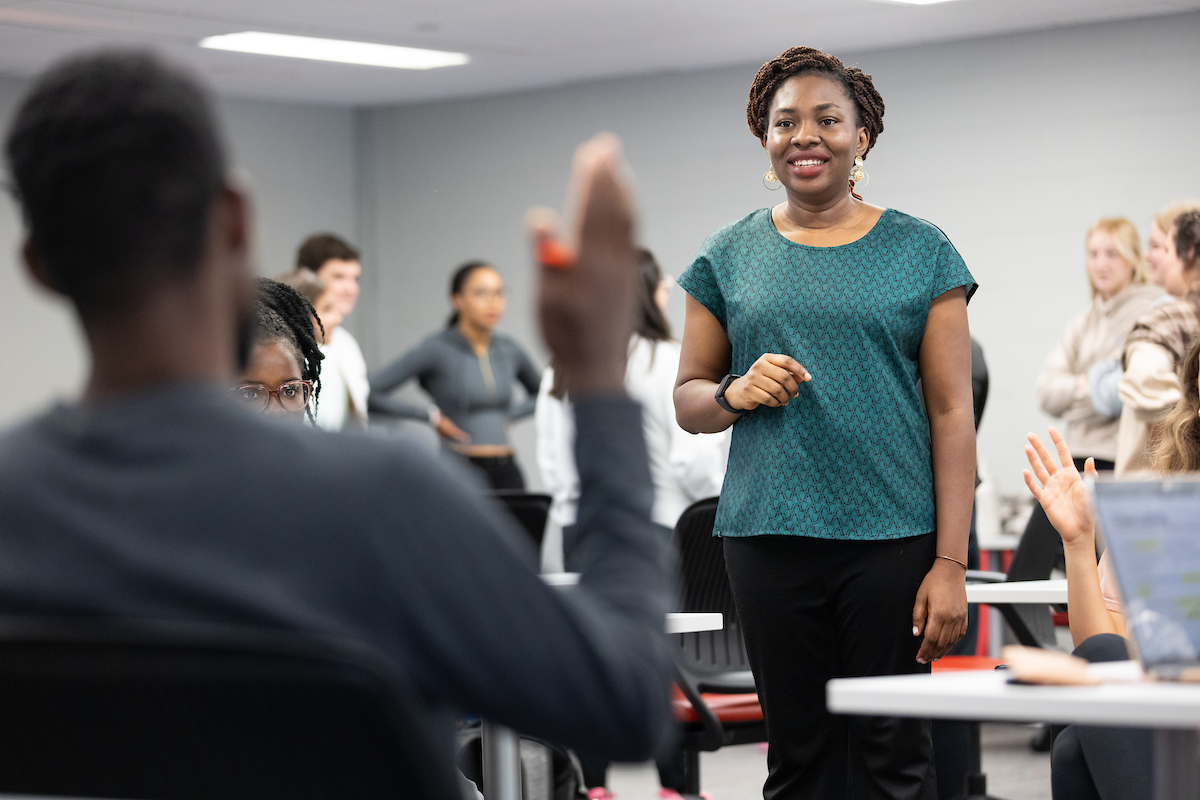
x: 914, y: 2
x: 340, y: 50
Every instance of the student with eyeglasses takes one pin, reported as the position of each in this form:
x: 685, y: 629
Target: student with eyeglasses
x: 283, y: 372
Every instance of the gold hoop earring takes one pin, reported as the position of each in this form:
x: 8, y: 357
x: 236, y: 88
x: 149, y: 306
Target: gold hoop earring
x: 769, y: 177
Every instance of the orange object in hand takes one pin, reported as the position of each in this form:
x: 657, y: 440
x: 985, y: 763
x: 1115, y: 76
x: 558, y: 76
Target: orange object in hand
x: 554, y: 253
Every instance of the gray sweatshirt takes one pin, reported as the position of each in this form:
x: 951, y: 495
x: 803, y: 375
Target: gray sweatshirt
x: 177, y: 505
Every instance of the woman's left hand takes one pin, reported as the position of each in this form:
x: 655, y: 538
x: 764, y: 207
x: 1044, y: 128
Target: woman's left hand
x: 940, y: 613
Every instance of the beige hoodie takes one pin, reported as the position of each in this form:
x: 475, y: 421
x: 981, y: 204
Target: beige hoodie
x: 1095, y: 335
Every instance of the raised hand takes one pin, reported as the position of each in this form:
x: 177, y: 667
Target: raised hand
x: 588, y: 298
x: 772, y: 381
x: 1059, y: 488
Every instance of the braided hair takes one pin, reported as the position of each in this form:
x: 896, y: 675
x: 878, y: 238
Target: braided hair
x: 284, y: 315
x: 806, y: 60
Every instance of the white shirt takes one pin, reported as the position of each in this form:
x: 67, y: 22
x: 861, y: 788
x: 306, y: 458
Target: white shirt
x: 344, y: 386
x: 684, y: 467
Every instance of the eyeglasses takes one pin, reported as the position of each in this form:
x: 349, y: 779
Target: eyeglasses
x: 293, y: 395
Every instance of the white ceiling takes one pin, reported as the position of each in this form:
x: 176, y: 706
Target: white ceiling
x: 513, y: 44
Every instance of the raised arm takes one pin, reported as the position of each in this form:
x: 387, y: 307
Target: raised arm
x: 588, y: 668
x: 705, y: 359
x: 1059, y: 488
x: 940, y: 612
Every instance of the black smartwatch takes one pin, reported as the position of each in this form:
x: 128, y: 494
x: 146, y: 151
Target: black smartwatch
x: 720, y: 395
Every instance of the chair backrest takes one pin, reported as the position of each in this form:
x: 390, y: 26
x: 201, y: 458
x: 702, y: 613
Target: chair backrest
x: 531, y: 510
x: 1033, y: 560
x: 704, y: 586
x: 140, y: 710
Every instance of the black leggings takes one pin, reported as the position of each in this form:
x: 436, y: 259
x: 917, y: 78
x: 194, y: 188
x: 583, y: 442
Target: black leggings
x: 815, y: 609
x: 501, y: 472
x: 1090, y: 763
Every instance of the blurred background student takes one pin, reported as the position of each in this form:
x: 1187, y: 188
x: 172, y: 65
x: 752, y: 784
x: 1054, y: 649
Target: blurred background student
x: 337, y: 264
x: 1116, y: 273
x: 1149, y: 386
x: 469, y: 370
x: 333, y: 412
x: 282, y: 376
x: 684, y: 467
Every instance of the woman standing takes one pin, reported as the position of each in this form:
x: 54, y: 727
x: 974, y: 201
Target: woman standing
x: 469, y: 371
x: 846, y: 506
x: 1149, y: 386
x: 1116, y: 272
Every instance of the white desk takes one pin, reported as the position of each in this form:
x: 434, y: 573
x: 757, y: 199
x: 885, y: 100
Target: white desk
x: 1172, y: 709
x: 1054, y: 591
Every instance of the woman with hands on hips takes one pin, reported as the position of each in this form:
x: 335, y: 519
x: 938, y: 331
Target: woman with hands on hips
x: 846, y: 505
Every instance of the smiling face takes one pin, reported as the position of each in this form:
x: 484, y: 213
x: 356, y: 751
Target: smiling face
x: 1107, y: 270
x: 1155, y: 255
x: 812, y: 138
x: 341, y: 276
x: 1176, y: 277
x: 480, y: 304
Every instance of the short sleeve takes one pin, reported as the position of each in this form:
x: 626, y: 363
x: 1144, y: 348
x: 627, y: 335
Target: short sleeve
x: 951, y: 271
x: 700, y: 281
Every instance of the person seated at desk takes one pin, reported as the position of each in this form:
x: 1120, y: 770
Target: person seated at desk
x: 1092, y: 762
x: 155, y: 496
x: 282, y: 376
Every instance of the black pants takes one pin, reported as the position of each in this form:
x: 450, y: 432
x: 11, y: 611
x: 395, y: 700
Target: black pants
x: 1090, y: 763
x: 501, y: 472
x: 815, y: 609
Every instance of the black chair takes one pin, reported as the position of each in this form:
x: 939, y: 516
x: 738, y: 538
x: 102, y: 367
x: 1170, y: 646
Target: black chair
x: 165, y: 711
x: 531, y: 510
x: 720, y: 705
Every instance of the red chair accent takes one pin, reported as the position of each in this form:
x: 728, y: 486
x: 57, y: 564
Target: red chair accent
x: 725, y: 707
x: 964, y: 663
x: 1061, y: 619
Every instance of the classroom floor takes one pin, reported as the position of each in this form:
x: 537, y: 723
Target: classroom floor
x: 736, y: 773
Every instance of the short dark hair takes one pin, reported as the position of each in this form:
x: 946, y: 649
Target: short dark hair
x: 322, y: 247
x: 115, y: 160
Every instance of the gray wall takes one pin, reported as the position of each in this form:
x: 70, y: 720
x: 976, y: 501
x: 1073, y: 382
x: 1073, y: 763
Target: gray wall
x: 1013, y: 145
x: 300, y: 164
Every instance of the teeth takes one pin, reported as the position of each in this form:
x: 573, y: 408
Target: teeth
x: 808, y: 163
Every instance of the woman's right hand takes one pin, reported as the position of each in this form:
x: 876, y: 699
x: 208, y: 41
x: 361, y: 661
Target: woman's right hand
x: 771, y: 381
x: 448, y: 430
x: 1060, y: 489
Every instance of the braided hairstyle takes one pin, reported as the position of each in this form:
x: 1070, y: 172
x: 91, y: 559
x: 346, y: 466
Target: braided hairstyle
x: 284, y: 315
x: 807, y: 60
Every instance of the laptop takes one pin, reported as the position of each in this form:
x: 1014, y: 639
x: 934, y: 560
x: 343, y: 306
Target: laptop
x: 1151, y: 528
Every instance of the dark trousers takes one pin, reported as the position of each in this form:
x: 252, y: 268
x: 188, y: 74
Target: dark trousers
x: 501, y: 472
x: 815, y: 609
x: 1091, y: 763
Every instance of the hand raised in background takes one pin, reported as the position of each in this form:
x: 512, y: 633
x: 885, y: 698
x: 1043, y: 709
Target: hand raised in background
x: 1060, y: 489
x: 587, y: 303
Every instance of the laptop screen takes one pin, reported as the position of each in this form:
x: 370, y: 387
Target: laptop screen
x: 1152, y: 532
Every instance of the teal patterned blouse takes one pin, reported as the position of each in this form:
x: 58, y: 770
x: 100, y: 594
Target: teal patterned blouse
x: 850, y: 457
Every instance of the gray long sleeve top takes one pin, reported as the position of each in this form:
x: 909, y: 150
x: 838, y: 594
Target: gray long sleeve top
x: 177, y: 505
x: 475, y: 392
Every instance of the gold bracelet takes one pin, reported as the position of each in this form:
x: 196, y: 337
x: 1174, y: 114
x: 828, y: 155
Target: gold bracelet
x: 955, y: 560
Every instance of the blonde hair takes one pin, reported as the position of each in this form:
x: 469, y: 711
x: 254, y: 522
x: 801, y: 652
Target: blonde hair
x: 1128, y: 244
x: 306, y: 282
x: 1178, y: 446
x: 1165, y: 219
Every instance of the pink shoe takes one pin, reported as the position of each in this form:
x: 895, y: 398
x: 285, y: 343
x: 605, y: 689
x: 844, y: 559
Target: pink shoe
x: 600, y: 793
x: 671, y: 794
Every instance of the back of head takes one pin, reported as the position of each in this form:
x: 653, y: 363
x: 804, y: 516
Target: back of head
x: 1186, y: 233
x: 1165, y: 219
x: 306, y: 282
x: 115, y: 160
x: 322, y: 247
x: 1178, y: 448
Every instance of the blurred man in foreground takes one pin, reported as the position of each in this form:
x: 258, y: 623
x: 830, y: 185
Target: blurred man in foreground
x: 154, y: 496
